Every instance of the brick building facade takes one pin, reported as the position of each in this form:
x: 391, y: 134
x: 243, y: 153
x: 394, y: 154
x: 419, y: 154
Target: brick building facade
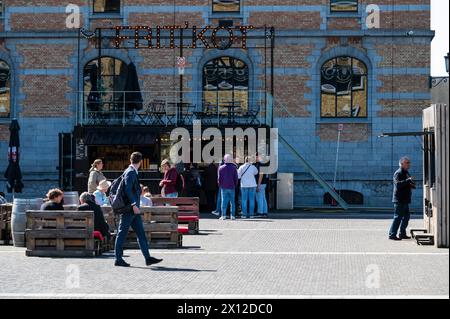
x: 317, y: 43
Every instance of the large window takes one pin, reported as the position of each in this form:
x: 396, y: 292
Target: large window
x: 344, y: 5
x: 103, y: 92
x: 226, y: 6
x: 106, y: 6
x: 344, y: 88
x: 225, y: 83
x: 5, y: 89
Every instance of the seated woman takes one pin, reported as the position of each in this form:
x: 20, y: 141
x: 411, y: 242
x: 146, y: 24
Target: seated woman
x: 100, y: 194
x: 88, y: 204
x: 55, y: 200
x: 146, y: 199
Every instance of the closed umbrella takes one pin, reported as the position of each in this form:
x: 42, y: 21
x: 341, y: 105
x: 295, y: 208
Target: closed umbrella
x: 13, y: 174
x: 133, y: 96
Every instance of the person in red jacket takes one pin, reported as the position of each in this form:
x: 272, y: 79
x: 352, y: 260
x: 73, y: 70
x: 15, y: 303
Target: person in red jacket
x: 169, y: 182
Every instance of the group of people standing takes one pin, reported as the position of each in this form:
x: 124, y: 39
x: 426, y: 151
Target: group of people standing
x: 245, y: 185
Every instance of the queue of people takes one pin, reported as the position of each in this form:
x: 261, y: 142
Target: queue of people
x: 240, y: 186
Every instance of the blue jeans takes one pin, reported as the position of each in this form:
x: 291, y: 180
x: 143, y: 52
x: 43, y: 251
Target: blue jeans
x: 401, y: 219
x: 248, y: 195
x: 228, y: 196
x: 135, y: 221
x: 172, y: 195
x: 261, y: 200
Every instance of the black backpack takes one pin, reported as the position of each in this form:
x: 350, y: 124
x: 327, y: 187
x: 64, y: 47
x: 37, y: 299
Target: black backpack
x: 117, y: 196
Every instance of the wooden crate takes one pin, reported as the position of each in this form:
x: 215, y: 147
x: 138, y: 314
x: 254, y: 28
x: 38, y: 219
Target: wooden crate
x: 161, y: 228
x: 60, y: 234
x: 5, y: 224
x: 187, y: 206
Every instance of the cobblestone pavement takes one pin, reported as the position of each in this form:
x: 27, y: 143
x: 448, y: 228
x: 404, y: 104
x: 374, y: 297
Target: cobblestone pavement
x: 290, y: 256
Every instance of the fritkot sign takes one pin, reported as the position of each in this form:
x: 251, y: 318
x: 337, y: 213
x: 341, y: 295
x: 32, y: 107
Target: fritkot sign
x: 176, y: 36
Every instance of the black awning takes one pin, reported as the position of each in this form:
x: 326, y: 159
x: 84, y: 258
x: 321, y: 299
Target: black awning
x: 119, y: 136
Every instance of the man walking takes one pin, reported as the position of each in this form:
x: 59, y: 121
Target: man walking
x: 228, y: 180
x: 132, y: 217
x: 403, y: 186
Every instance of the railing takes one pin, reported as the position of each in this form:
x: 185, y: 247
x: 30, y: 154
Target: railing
x: 174, y: 109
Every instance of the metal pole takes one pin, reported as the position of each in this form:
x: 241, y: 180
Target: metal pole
x: 180, y: 106
x: 337, y: 159
x: 272, y: 67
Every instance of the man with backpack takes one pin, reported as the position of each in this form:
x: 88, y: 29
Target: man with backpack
x: 172, y: 184
x: 125, y: 200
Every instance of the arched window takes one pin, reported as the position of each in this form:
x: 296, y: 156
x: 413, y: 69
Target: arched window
x: 5, y: 90
x: 343, y: 88
x: 102, y: 92
x: 226, y: 82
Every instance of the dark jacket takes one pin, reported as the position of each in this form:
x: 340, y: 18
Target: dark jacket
x: 52, y: 206
x: 100, y: 223
x: 402, y: 187
x: 132, y: 186
x: 211, y: 178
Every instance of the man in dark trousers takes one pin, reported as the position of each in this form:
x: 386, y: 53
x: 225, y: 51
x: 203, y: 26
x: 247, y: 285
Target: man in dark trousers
x: 132, y: 217
x: 403, y: 186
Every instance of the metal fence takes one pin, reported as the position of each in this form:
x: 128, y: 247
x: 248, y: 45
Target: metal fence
x: 146, y: 108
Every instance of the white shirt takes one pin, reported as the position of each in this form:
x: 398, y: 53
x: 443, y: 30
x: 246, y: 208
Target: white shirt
x: 247, y: 173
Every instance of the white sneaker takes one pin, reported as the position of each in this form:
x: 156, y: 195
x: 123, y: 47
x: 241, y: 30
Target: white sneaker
x: 222, y: 218
x: 233, y: 218
x: 243, y: 217
x: 215, y: 213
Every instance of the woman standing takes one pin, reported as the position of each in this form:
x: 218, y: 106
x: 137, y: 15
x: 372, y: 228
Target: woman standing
x: 95, y: 175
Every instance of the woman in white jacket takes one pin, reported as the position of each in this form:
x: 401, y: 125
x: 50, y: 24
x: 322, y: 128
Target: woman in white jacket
x: 246, y: 174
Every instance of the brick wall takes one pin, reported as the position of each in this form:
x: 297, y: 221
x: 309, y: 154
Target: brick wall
x: 45, y: 76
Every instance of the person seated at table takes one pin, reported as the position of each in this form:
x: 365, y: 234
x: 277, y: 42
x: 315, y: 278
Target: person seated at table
x: 54, y: 201
x: 100, y: 194
x: 88, y: 204
x: 146, y: 196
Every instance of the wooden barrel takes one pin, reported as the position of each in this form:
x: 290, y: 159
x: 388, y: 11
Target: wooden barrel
x: 71, y: 198
x: 19, y: 218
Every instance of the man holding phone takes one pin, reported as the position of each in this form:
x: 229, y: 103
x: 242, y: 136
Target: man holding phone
x: 132, y: 217
x: 403, y: 186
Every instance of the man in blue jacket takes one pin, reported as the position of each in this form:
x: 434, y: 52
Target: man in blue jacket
x: 133, y: 216
x: 403, y: 186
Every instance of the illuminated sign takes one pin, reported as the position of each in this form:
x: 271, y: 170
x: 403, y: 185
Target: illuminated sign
x: 174, y: 36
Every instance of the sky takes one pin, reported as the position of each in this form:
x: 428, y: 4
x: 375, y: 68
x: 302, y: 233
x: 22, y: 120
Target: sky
x: 439, y: 46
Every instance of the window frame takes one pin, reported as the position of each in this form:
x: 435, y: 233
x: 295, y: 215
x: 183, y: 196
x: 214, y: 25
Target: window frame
x: 10, y: 88
x: 345, y: 11
x: 113, y: 76
x: 351, y: 117
x: 118, y: 12
x: 204, y: 81
x: 226, y: 12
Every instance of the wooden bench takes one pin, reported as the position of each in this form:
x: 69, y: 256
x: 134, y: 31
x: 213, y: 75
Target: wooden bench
x: 60, y: 234
x: 188, y: 210
x: 160, y: 225
x: 5, y: 224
